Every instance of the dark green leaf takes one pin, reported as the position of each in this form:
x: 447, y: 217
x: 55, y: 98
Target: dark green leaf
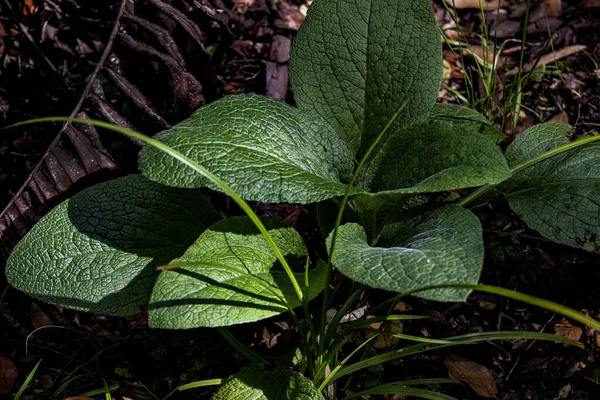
x: 264, y: 149
x: 558, y: 197
x: 355, y: 62
x: 439, y: 247
x: 98, y: 251
x: 231, y: 276
x: 435, y: 156
x: 256, y: 383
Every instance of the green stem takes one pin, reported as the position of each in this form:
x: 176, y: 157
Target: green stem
x: 525, y: 298
x: 338, y: 219
x: 196, y: 167
x: 529, y: 163
x: 521, y: 61
x: 344, y: 361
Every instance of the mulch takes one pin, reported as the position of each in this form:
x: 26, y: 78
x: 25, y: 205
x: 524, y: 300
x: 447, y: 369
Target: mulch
x: 167, y: 59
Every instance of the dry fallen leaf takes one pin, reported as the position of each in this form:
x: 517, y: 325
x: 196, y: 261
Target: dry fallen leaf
x: 565, y: 329
x: 2, y: 34
x: 385, y: 341
x: 554, y: 56
x: 402, y: 306
x: 477, y: 376
x: 561, y: 117
x: 485, y: 5
x: 29, y: 8
x: 8, y: 375
x: 38, y: 318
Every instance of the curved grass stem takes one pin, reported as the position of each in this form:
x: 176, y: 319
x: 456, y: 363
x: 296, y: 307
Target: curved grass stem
x: 529, y: 163
x: 196, y: 167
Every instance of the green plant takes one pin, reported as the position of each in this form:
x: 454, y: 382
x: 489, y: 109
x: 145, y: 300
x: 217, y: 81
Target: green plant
x: 366, y: 135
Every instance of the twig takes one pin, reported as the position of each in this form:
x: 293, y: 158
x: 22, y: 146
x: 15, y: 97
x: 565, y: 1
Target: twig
x: 526, y: 349
x: 77, y: 108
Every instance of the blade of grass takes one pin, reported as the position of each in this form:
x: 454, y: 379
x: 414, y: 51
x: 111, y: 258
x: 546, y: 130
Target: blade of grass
x: 197, y: 384
x: 338, y: 219
x: 344, y: 361
x: 107, y: 390
x: 66, y: 384
x: 400, y: 390
x: 243, y: 350
x: 34, y: 331
x: 27, y: 381
x: 529, y: 163
x: 97, y: 392
x: 521, y: 61
x: 525, y: 298
x: 471, y: 338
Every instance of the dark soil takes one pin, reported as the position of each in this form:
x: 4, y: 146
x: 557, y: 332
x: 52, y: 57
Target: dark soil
x: 49, y: 51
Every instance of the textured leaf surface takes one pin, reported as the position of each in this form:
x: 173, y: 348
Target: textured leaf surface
x: 264, y: 149
x: 256, y: 383
x: 558, y: 197
x: 438, y: 247
x: 375, y: 210
x: 355, y: 62
x: 466, y: 118
x: 98, y: 250
x: 434, y: 156
x: 231, y: 276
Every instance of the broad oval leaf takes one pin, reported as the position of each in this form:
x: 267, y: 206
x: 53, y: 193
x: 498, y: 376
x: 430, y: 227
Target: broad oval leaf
x: 231, y: 276
x: 356, y: 62
x: 98, y: 251
x: 264, y: 149
x: 256, y: 383
x: 442, y: 246
x: 434, y: 156
x: 558, y: 197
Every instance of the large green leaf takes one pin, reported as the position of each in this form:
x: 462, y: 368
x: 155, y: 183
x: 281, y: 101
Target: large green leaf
x: 231, y: 276
x: 256, y: 383
x: 264, y: 149
x: 558, y: 197
x: 438, y: 247
x: 356, y: 62
x: 98, y: 251
x: 434, y: 156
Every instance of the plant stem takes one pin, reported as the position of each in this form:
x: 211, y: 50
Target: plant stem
x: 521, y: 60
x: 525, y: 298
x: 529, y: 163
x: 243, y: 350
x: 338, y: 219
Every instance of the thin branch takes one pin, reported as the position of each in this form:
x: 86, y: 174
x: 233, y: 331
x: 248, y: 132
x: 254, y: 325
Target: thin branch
x: 77, y: 108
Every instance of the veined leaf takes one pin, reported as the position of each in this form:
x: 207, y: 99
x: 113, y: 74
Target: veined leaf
x: 256, y: 383
x: 440, y: 246
x: 558, y: 197
x: 355, y: 62
x: 98, y: 250
x: 264, y: 149
x: 434, y: 156
x: 230, y: 276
